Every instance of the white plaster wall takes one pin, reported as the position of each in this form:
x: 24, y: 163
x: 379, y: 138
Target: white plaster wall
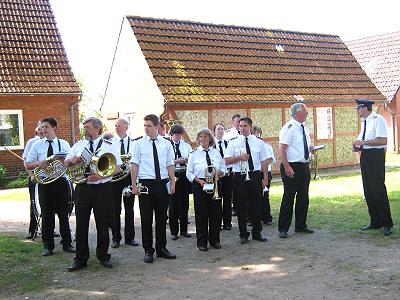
x: 132, y: 89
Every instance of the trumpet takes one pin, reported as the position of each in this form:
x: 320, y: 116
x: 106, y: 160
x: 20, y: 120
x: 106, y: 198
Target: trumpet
x: 211, y: 185
x: 104, y: 165
x: 127, y: 191
x: 125, y: 169
x: 50, y: 171
x: 244, y: 166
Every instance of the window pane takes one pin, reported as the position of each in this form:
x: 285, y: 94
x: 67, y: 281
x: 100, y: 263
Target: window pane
x: 9, y: 130
x: 324, y: 123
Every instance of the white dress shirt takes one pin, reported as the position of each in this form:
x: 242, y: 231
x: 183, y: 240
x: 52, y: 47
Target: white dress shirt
x: 376, y: 127
x: 143, y: 157
x: 237, y: 146
x: 230, y: 133
x: 116, y: 140
x: 39, y: 149
x: 224, y: 144
x: 292, y: 135
x: 106, y: 147
x: 270, y: 153
x: 184, y: 148
x: 29, y: 145
x: 197, y: 163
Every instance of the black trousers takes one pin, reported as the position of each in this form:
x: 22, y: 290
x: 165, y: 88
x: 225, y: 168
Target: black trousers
x: 96, y: 197
x: 249, y: 200
x: 265, y: 205
x: 226, y: 186
x: 372, y: 163
x: 294, y: 187
x: 54, y: 198
x: 179, y: 206
x: 157, y: 201
x: 33, y: 220
x: 129, y: 229
x: 208, y: 214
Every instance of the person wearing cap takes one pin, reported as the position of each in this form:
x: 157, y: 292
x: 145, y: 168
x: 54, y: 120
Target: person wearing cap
x: 294, y: 150
x: 371, y: 142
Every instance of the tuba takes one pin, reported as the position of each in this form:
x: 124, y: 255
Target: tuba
x: 125, y: 168
x: 104, y: 165
x: 211, y: 178
x: 51, y: 171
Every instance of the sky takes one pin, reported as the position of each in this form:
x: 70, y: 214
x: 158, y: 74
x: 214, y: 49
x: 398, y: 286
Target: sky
x: 89, y: 28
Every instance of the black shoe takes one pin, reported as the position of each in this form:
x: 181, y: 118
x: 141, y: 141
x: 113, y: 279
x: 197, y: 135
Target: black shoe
x: 227, y: 227
x: 148, y: 258
x: 77, y: 266
x: 55, y: 234
x: 132, y: 243
x: 283, y: 234
x: 69, y: 249
x: 305, y: 230
x: 369, y: 227
x: 260, y: 238
x: 216, y: 245
x: 29, y: 236
x: 106, y: 263
x: 387, y: 231
x: 203, y: 248
x: 47, y: 252
x: 267, y: 222
x: 115, y: 244
x: 186, y: 234
x: 174, y: 237
x: 164, y: 253
x: 244, y: 240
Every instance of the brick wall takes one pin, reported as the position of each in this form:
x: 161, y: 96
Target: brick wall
x: 35, y: 108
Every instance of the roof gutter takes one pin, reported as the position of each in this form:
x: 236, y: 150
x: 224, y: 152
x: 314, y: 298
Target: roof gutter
x: 40, y: 94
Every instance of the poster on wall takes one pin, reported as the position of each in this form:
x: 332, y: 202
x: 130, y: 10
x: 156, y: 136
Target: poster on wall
x: 324, y: 123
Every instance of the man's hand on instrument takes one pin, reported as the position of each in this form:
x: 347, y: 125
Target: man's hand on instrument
x: 135, y: 190
x: 265, y: 181
x: 72, y: 161
x: 244, y: 156
x: 94, y: 177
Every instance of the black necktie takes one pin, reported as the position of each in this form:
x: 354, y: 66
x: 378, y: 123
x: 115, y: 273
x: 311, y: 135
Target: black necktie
x: 91, y: 147
x: 208, y: 161
x: 177, y: 151
x: 365, y: 130
x: 220, y: 149
x: 122, y: 147
x: 156, y: 161
x: 50, y: 149
x: 306, y: 151
x: 251, y: 165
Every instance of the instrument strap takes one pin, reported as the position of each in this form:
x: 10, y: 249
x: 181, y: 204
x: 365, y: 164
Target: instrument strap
x: 129, y: 142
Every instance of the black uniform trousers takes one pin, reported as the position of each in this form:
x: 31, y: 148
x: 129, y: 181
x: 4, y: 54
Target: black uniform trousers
x: 249, y: 195
x: 129, y: 229
x: 226, y: 186
x: 54, y: 199
x: 265, y: 205
x: 372, y: 163
x: 157, y: 201
x: 208, y: 215
x: 96, y: 197
x: 179, y: 205
x: 294, y: 187
x: 33, y: 220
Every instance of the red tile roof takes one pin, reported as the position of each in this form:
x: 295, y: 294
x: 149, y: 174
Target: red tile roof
x: 32, y: 57
x: 198, y: 62
x: 380, y: 58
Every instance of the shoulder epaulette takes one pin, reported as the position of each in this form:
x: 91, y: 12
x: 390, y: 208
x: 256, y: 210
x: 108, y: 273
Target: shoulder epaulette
x: 138, y: 138
x: 233, y: 138
x: 166, y: 137
x: 260, y: 138
x: 375, y: 116
x: 228, y: 130
x: 107, y: 141
x: 193, y: 150
x: 186, y: 141
x: 290, y: 126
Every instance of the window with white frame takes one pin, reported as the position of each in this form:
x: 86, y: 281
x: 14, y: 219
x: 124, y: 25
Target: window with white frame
x: 11, y: 129
x: 324, y: 123
x: 130, y: 117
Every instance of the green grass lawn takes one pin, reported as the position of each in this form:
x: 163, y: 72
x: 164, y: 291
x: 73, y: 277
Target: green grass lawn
x: 21, y: 194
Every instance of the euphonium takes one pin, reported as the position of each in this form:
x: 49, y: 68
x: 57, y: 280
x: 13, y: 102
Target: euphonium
x: 211, y: 186
x: 50, y: 171
x: 104, y: 165
x: 125, y: 168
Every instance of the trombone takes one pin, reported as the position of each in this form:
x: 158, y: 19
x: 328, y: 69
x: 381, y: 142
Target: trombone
x: 211, y: 185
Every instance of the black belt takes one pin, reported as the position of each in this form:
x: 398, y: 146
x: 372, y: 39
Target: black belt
x: 165, y: 180
x: 93, y: 185
x: 372, y: 149
x: 250, y: 172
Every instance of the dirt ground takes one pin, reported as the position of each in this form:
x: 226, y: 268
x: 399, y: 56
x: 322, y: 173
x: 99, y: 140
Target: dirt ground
x: 322, y: 265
